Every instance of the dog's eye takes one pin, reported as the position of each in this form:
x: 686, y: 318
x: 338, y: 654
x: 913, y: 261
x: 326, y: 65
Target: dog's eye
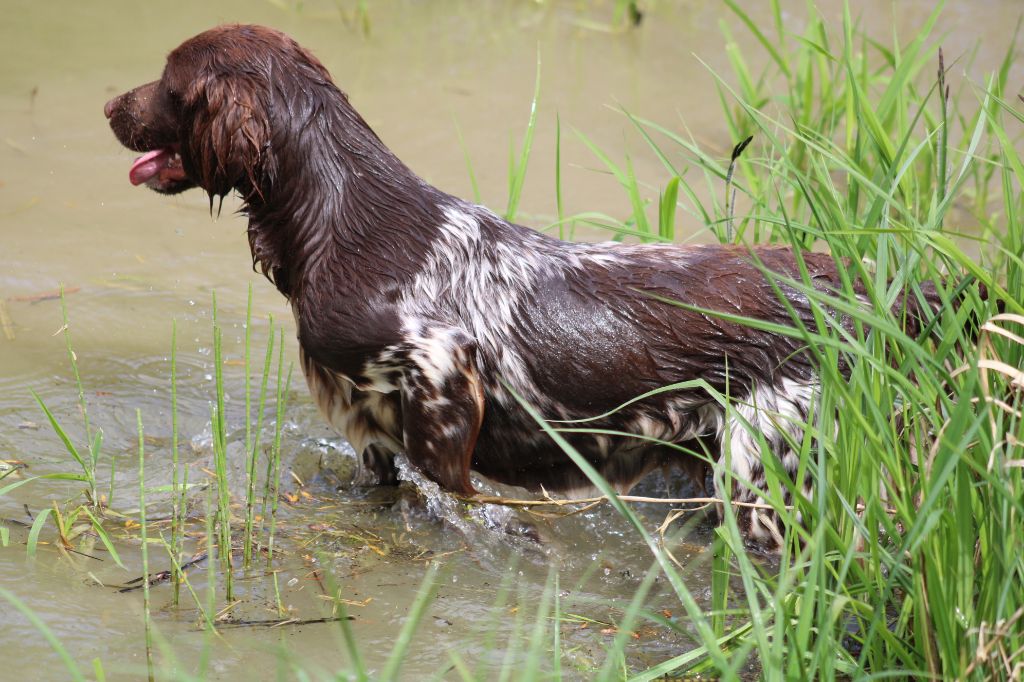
x: 174, y: 98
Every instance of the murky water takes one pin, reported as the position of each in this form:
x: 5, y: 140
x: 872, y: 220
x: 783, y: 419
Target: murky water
x: 132, y: 261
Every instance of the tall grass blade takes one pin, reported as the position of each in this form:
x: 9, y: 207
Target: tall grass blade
x: 33, y: 532
x: 143, y: 530
x: 104, y: 537
x: 90, y: 469
x: 469, y: 165
x: 87, y: 471
x: 179, y: 483
x: 517, y: 171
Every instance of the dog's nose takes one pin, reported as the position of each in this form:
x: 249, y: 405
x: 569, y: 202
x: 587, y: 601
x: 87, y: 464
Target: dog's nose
x: 108, y: 108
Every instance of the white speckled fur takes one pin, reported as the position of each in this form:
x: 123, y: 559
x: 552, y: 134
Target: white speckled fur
x: 769, y: 418
x: 456, y: 263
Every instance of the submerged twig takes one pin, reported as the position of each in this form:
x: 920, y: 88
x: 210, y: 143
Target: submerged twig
x: 278, y: 622
x: 51, y: 295
x: 703, y: 501
x: 161, y: 577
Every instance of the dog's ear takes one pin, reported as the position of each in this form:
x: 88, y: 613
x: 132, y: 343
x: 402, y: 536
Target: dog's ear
x: 227, y: 132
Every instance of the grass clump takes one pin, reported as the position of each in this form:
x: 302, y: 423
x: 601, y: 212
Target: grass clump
x: 908, y: 559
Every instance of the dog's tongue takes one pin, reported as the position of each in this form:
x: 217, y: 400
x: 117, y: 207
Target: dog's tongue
x: 149, y: 165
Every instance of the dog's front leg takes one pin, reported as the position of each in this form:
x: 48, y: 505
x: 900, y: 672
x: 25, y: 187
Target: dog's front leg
x: 442, y: 405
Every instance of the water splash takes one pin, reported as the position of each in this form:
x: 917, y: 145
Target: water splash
x: 487, y: 527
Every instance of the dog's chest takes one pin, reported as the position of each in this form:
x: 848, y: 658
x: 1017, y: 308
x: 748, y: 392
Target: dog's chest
x: 363, y: 417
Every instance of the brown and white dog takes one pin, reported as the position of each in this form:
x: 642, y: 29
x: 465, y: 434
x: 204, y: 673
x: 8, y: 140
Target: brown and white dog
x: 417, y: 311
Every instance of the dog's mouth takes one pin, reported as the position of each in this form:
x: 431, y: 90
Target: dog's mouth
x: 160, y: 169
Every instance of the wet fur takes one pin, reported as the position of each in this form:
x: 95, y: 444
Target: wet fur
x: 415, y: 309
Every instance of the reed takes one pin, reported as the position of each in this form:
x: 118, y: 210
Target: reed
x: 900, y: 563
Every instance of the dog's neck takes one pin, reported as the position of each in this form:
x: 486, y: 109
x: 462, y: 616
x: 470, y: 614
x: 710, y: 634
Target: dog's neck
x: 332, y: 195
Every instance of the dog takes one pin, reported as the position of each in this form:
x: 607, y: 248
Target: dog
x: 422, y: 318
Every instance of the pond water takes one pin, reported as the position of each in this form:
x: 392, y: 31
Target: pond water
x: 425, y: 76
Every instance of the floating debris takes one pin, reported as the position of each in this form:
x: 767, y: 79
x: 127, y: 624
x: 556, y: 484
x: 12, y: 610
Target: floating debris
x: 50, y: 295
x: 279, y: 622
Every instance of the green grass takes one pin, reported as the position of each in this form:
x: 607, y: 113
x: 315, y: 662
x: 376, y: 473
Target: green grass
x: 908, y: 561
x: 144, y: 535
x: 517, y: 166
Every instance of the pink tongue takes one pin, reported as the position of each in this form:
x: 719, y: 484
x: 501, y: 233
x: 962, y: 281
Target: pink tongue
x: 149, y: 165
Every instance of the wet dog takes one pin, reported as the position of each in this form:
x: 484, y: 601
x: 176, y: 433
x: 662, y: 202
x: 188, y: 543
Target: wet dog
x: 421, y: 317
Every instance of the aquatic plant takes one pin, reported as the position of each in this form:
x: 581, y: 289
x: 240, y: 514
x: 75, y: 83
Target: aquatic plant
x: 907, y: 560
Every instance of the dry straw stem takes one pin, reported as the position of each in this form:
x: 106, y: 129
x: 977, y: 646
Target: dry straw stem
x: 988, y: 358
x: 702, y: 502
x: 550, y: 501
x: 991, y: 652
x: 989, y: 361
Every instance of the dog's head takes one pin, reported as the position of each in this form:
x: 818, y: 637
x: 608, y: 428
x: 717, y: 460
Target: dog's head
x: 211, y: 119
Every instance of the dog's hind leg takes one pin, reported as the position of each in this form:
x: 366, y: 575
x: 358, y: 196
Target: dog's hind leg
x: 442, y: 404
x: 763, y: 424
